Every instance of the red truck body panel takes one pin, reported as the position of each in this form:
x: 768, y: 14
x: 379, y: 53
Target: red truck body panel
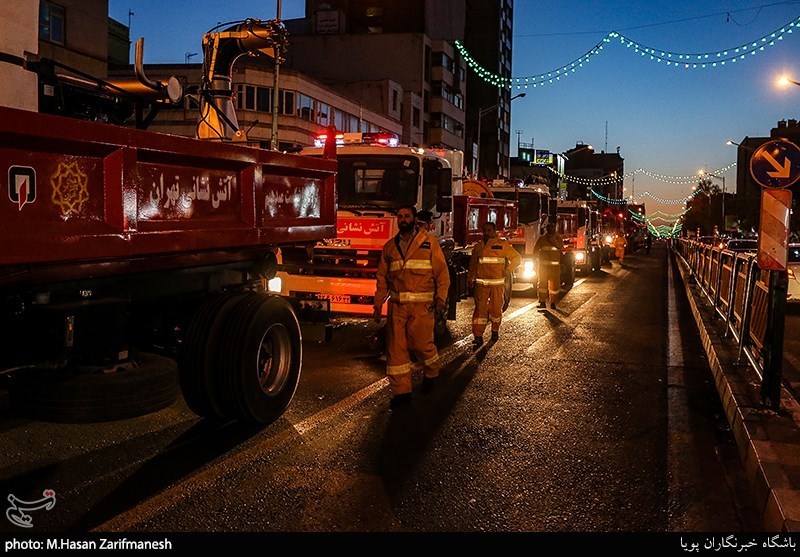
x: 470, y: 213
x: 82, y: 196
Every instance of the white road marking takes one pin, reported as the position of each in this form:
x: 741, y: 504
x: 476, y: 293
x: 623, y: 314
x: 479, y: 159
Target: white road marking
x: 674, y: 346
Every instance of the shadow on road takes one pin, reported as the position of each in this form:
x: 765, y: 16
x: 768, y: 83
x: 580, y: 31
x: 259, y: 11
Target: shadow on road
x: 410, y: 430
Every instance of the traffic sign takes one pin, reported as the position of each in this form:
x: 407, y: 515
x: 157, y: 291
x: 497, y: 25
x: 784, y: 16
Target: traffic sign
x: 773, y: 231
x: 776, y: 164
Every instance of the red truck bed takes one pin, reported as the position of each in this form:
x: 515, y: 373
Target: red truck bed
x: 76, y: 192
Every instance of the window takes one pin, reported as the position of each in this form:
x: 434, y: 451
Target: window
x: 305, y: 107
x: 426, y: 101
x: 387, y: 181
x: 263, y: 99
x: 395, y: 99
x: 249, y: 97
x: 339, y: 119
x: 239, y: 97
x: 440, y: 59
x: 352, y: 123
x: 323, y: 113
x: 286, y: 103
x: 415, y: 117
x: 440, y: 120
x: 51, y: 22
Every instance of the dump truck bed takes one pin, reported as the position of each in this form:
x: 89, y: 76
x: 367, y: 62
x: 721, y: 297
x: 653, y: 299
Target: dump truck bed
x: 81, y: 198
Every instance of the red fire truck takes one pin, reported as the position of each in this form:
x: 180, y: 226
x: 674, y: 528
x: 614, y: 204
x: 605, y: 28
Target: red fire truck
x: 377, y: 176
x: 122, y: 251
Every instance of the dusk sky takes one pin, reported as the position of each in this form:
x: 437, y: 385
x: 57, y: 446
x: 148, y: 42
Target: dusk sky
x: 666, y: 120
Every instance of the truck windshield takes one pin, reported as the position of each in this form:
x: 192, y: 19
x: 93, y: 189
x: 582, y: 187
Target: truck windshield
x: 529, y: 204
x: 377, y: 180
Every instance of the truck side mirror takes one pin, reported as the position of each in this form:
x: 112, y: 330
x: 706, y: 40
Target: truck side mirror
x: 444, y: 186
x: 444, y: 205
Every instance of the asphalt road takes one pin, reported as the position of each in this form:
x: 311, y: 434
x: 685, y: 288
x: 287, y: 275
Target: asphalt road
x: 597, y: 416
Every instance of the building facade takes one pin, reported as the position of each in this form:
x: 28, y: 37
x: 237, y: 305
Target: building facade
x: 352, y: 44
x: 608, y: 168
x: 488, y: 39
x: 305, y: 106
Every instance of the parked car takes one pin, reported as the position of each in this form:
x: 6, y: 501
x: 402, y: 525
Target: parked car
x: 742, y: 244
x: 793, y: 264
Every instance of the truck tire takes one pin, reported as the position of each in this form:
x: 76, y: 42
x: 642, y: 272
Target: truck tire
x: 87, y: 395
x: 196, y: 365
x: 259, y: 359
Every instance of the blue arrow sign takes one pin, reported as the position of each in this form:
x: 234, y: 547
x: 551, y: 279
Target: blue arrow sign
x: 776, y: 164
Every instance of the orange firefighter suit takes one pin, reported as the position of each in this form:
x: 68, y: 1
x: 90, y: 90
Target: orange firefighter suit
x: 412, y: 281
x: 620, y: 243
x: 548, y: 250
x: 488, y: 266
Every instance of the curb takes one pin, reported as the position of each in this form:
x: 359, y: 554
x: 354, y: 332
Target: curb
x: 768, y: 442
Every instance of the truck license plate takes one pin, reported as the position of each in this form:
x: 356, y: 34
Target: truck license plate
x: 335, y: 298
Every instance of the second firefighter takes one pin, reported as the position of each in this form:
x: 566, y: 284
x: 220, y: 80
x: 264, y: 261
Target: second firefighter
x: 492, y: 259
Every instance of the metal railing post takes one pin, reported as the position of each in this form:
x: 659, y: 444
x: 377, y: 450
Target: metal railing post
x: 773, y: 340
x: 744, y: 330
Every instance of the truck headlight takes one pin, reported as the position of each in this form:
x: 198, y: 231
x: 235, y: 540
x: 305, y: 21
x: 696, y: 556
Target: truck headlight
x: 527, y: 270
x: 609, y: 239
x: 580, y: 256
x: 274, y: 285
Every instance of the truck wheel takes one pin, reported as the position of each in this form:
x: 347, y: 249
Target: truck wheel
x: 259, y: 358
x: 86, y: 395
x: 199, y: 352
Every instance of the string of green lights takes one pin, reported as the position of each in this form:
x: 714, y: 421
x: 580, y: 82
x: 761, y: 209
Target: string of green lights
x: 684, y: 60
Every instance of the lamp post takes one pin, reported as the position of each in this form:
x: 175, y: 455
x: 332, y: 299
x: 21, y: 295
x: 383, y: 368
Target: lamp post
x: 483, y: 112
x: 722, y: 178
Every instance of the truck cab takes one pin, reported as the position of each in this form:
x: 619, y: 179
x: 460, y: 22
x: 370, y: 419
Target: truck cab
x: 376, y: 177
x: 578, y: 223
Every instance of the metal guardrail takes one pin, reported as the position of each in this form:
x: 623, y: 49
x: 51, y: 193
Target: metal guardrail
x: 752, y: 302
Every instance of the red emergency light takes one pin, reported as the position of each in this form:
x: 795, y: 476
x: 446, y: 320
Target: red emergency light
x: 319, y: 141
x: 385, y: 138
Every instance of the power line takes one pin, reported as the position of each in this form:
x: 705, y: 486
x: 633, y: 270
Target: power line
x: 670, y: 22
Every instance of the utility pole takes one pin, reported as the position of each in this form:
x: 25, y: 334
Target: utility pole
x: 274, y: 142
x: 519, y: 140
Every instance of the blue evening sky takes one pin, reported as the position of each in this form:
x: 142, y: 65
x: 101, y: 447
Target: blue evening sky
x: 667, y: 120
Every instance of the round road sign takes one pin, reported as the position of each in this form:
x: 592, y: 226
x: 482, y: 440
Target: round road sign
x: 776, y: 164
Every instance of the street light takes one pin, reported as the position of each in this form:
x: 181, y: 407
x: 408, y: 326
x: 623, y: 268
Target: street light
x: 483, y: 112
x: 784, y: 80
x: 704, y: 173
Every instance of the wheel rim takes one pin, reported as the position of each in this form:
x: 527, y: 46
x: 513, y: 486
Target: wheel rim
x: 274, y: 359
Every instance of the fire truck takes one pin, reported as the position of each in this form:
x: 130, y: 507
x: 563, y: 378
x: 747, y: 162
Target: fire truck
x: 533, y: 206
x: 377, y: 176
x: 578, y: 222
x: 132, y: 262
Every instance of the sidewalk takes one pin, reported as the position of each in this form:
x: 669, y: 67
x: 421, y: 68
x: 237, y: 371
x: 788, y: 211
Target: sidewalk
x: 768, y: 442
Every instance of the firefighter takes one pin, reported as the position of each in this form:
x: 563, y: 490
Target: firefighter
x: 424, y: 221
x: 548, y: 249
x: 620, y: 243
x: 413, y: 274
x: 491, y: 259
